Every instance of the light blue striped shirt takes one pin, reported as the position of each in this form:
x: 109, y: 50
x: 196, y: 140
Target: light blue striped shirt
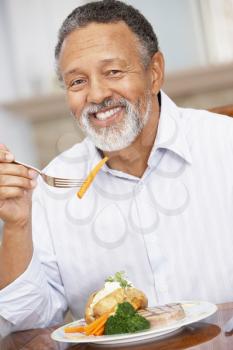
x: 171, y: 230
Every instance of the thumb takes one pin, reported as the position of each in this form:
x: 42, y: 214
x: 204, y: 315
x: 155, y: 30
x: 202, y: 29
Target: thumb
x: 3, y: 147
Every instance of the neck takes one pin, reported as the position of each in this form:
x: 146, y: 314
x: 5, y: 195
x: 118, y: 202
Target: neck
x: 133, y: 159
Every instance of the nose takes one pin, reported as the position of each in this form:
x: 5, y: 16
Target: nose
x: 98, y: 91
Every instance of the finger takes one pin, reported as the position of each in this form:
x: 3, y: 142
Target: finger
x: 3, y: 147
x: 16, y: 181
x: 6, y: 156
x: 15, y: 170
x: 10, y: 193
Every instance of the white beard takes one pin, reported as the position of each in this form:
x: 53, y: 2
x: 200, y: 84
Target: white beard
x: 120, y: 135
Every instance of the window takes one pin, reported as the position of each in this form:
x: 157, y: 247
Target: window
x: 217, y: 21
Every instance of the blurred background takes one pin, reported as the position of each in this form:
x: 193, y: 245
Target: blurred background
x: 195, y: 37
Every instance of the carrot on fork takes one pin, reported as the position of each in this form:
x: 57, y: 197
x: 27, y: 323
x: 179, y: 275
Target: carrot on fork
x: 91, y: 177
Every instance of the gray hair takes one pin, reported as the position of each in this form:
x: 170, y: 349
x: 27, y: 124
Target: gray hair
x: 111, y: 11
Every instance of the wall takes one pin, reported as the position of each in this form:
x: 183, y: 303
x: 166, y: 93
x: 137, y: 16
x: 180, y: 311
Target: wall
x: 178, y: 27
x: 7, y: 84
x: 27, y: 52
x: 30, y: 31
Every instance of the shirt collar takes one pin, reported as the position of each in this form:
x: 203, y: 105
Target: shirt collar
x: 170, y: 134
x: 94, y: 156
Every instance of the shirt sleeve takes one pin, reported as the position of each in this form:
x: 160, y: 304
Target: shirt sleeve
x: 36, y: 298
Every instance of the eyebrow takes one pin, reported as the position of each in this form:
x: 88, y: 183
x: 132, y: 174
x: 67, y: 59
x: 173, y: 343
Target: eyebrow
x: 70, y: 72
x: 111, y: 60
x: 103, y: 61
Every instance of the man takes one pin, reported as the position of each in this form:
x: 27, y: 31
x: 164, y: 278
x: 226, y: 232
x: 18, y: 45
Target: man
x: 160, y: 209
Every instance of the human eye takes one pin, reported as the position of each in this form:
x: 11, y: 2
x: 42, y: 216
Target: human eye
x: 77, y: 82
x: 114, y: 72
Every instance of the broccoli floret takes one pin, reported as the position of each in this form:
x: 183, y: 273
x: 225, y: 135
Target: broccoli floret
x: 115, y: 325
x: 125, y: 320
x: 125, y: 310
x: 137, y: 323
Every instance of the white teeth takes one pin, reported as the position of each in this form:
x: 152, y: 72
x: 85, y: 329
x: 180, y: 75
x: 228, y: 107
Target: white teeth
x: 107, y: 114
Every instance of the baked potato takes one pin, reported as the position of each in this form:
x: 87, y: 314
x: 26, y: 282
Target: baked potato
x: 96, y: 307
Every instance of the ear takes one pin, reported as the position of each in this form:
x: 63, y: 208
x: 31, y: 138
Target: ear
x: 157, y: 72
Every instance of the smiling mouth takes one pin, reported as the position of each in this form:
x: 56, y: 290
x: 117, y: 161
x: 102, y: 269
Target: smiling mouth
x: 107, y: 117
x: 107, y: 114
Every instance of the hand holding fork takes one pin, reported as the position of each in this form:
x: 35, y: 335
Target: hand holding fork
x: 66, y: 183
x: 17, y: 177
x: 54, y: 181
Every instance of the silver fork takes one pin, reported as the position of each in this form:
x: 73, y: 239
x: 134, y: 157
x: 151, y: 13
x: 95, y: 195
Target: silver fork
x: 54, y: 181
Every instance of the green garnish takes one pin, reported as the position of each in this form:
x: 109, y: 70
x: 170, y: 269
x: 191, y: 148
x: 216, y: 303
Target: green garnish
x: 120, y: 278
x: 126, y: 320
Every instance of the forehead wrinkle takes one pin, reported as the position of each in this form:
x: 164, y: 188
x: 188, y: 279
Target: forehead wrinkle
x: 77, y: 59
x: 103, y: 62
x: 87, y: 50
x: 84, y: 43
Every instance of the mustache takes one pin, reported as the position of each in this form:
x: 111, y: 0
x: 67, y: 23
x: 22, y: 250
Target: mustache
x: 96, y: 107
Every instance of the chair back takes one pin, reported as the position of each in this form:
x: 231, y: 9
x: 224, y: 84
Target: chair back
x: 226, y: 110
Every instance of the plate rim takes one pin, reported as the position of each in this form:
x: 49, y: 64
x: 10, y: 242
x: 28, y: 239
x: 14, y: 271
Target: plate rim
x: 156, y: 332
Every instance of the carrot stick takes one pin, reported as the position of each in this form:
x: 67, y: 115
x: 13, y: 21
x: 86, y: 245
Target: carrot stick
x: 75, y: 329
x: 91, y: 330
x: 90, y: 177
x: 93, y: 324
x: 97, y: 324
x: 100, y: 331
x: 100, y: 326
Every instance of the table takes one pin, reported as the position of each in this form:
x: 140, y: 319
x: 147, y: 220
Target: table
x: 205, y: 335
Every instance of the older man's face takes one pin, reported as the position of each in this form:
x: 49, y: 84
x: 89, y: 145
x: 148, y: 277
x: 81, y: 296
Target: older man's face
x: 109, y: 90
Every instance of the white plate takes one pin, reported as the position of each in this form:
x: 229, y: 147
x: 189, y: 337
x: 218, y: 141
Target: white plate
x: 194, y: 311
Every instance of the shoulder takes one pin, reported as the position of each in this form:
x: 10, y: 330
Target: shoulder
x: 199, y: 125
x: 209, y: 137
x: 204, y: 126
x: 200, y: 117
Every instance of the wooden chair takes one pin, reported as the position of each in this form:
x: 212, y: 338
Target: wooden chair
x: 226, y: 110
